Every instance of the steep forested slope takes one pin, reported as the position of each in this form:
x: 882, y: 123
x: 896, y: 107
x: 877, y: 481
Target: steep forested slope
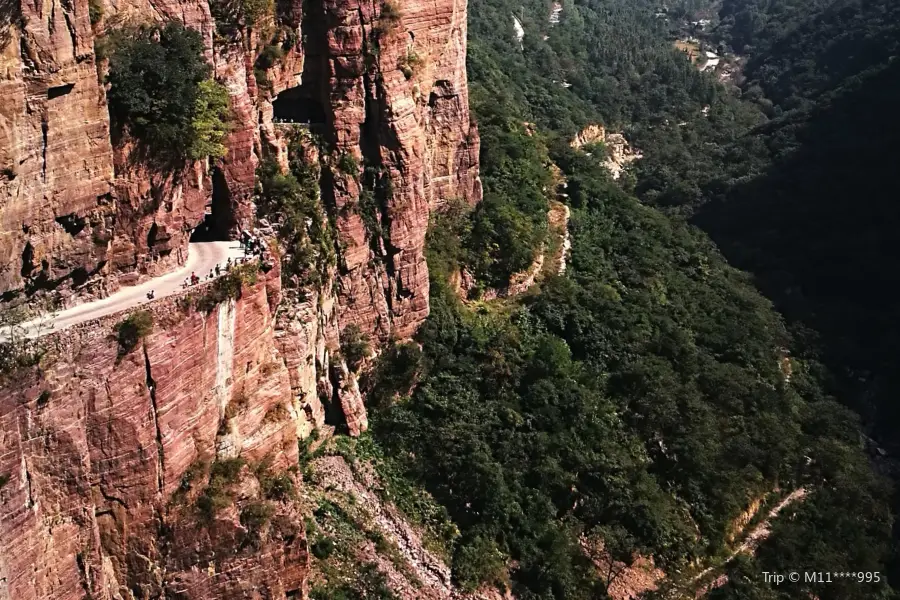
x: 819, y: 228
x: 817, y: 223
x: 647, y: 397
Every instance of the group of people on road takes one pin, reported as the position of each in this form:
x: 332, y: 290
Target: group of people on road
x: 195, y: 279
x: 253, y: 244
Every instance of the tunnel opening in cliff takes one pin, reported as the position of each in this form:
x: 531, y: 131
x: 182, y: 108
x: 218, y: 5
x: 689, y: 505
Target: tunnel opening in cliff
x: 219, y: 218
x: 297, y: 105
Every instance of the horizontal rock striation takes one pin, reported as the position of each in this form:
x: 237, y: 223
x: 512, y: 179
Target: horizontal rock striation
x: 104, y: 453
x: 96, y: 443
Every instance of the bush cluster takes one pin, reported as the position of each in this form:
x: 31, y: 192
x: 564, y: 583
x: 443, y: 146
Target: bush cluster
x: 161, y: 93
x: 388, y: 20
x: 227, y: 287
x: 348, y: 165
x: 291, y: 200
x: 355, y: 346
x: 217, y: 495
x: 410, y: 63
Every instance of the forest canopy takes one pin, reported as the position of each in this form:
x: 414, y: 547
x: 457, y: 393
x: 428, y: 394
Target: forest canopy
x: 650, y: 395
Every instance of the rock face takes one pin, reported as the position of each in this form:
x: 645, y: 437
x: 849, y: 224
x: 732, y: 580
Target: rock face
x: 394, y: 88
x: 79, y: 217
x: 96, y: 445
x: 104, y: 455
x: 56, y: 158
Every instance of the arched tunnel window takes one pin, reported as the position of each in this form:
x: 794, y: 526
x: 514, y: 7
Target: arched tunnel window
x: 295, y: 105
x: 219, y: 220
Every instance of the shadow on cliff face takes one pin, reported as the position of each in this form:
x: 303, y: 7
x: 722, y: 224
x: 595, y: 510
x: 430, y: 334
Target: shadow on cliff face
x: 297, y: 105
x: 219, y: 220
x: 819, y: 230
x: 10, y: 16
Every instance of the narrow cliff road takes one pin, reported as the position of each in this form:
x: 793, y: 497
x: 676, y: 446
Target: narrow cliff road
x: 202, y: 258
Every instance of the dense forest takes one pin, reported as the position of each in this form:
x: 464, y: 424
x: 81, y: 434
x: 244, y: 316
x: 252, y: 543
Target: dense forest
x: 647, y: 397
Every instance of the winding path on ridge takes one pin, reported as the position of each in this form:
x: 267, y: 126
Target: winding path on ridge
x: 757, y: 534
x: 202, y: 258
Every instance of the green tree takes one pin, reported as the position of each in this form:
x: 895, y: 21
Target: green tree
x: 161, y: 95
x: 209, y: 125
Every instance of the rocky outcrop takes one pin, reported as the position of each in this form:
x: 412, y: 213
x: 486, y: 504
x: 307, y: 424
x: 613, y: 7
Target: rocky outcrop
x: 618, y: 153
x: 395, y: 96
x: 592, y: 134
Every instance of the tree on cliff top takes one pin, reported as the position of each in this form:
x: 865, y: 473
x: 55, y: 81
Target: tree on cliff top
x: 161, y: 92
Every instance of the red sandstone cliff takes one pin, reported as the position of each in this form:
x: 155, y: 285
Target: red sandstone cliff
x: 413, y: 126
x: 96, y: 445
x: 78, y: 216
x: 99, y: 451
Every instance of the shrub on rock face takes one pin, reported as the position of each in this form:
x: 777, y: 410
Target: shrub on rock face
x: 95, y: 11
x: 390, y: 12
x: 355, y: 346
x: 269, y: 56
x: 219, y: 494
x: 348, y: 164
x: 162, y: 94
x: 133, y: 329
x: 231, y: 15
x: 389, y: 19
x: 229, y: 286
x: 255, y: 519
x: 409, y: 64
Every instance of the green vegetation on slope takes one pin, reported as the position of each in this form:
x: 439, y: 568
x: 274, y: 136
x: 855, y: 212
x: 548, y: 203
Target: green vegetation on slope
x: 641, y: 395
x: 510, y: 225
x: 649, y: 396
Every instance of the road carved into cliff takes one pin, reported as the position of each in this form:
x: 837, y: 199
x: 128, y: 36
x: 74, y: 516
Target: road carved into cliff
x: 202, y: 259
x: 757, y: 535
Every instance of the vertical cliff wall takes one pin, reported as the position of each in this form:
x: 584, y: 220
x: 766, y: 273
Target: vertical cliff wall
x: 396, y: 100
x: 56, y: 158
x: 105, y: 455
x: 80, y: 215
x: 97, y: 446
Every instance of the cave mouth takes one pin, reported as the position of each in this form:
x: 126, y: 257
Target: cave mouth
x: 219, y: 218
x: 296, y: 105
